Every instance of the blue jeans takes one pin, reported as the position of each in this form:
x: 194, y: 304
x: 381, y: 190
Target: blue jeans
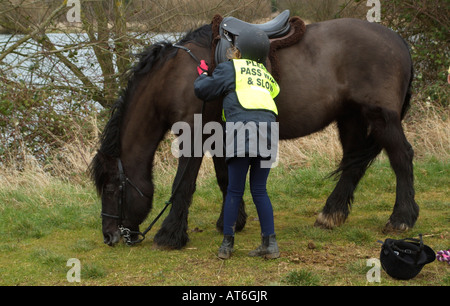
x: 237, y: 173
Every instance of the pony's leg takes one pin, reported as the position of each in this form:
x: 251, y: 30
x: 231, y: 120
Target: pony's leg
x: 222, y: 179
x: 358, y: 152
x: 389, y: 133
x: 173, y: 232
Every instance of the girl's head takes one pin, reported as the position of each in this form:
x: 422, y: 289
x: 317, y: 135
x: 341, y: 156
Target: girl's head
x: 233, y: 53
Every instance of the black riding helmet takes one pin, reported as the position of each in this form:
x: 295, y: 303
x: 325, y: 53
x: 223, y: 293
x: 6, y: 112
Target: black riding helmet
x: 405, y: 258
x: 253, y: 44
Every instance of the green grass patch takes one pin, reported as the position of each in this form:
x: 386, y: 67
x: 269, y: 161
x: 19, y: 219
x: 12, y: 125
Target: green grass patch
x: 301, y: 278
x: 42, y: 227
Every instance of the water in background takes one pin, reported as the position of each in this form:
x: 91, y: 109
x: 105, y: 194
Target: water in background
x: 31, y: 64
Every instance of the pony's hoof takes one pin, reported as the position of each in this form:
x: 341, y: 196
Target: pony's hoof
x: 390, y: 228
x: 330, y: 221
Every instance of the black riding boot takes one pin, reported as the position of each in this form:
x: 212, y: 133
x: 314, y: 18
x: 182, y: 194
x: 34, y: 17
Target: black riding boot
x: 268, y: 248
x: 226, y: 248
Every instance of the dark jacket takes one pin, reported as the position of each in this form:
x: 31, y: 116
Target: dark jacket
x: 222, y: 83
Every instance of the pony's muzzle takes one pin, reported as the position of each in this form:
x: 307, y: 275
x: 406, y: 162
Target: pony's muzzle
x: 111, y: 238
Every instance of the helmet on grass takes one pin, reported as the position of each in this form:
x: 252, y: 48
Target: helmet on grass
x: 405, y: 258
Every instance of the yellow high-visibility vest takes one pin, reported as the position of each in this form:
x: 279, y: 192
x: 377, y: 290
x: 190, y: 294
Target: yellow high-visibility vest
x: 255, y: 87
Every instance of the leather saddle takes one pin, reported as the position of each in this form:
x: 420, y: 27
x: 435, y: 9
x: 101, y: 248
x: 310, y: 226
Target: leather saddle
x: 230, y: 28
x: 283, y: 31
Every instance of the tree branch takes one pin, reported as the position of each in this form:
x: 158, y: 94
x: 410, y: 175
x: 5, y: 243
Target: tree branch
x: 35, y: 32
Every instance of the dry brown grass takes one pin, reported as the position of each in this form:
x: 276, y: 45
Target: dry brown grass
x: 69, y: 162
x: 324, y: 145
x: 428, y: 131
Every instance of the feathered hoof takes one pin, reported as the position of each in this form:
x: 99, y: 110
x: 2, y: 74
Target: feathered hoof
x: 171, y: 240
x: 330, y: 221
x: 390, y: 228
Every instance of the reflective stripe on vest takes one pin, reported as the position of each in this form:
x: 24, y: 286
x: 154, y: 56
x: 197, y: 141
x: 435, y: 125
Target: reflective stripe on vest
x: 255, y: 87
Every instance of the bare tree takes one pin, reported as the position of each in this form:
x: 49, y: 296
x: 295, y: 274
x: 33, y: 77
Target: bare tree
x: 55, y: 73
x: 113, y: 28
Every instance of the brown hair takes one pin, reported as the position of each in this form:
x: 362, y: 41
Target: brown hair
x: 233, y: 53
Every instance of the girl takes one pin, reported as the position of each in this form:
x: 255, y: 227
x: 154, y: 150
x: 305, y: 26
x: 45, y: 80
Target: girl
x: 248, y: 90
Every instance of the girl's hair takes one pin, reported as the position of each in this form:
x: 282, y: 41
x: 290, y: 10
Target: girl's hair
x: 233, y: 53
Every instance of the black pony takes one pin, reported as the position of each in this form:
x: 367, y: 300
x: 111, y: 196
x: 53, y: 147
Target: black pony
x: 350, y: 71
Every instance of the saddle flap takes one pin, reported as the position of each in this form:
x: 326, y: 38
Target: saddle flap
x: 220, y: 54
x: 277, y: 27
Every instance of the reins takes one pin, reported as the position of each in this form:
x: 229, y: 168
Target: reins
x: 126, y: 232
x: 188, y: 51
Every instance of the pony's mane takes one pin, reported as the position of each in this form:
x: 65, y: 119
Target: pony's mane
x: 152, y: 58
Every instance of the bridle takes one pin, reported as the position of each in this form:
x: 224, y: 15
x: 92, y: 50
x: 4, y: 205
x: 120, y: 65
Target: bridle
x: 124, y: 181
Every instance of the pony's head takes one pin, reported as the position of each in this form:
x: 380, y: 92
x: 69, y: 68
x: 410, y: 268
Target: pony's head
x: 122, y: 168
x: 124, y: 204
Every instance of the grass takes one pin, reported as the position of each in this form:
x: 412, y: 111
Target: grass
x: 45, y: 222
x: 51, y: 214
